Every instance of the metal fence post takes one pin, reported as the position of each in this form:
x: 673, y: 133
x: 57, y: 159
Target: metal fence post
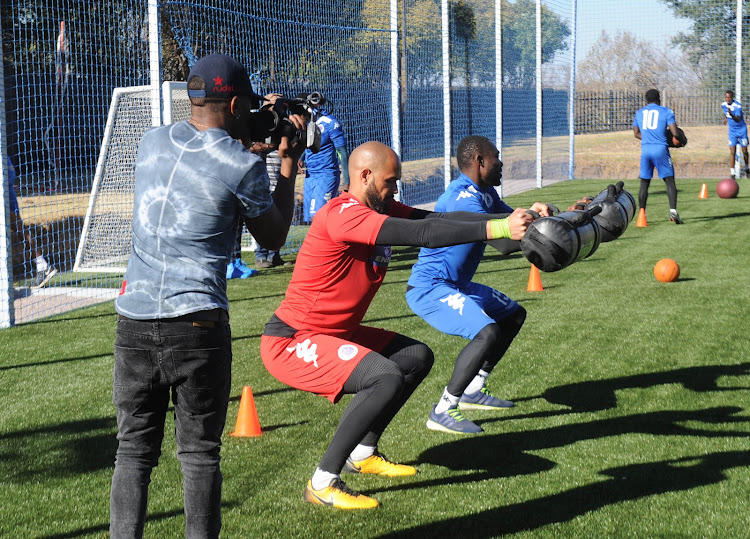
x: 7, y: 312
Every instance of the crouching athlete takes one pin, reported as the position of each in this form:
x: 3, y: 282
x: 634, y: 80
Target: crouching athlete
x: 315, y: 340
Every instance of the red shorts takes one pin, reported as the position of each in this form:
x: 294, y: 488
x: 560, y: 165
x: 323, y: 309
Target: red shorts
x: 319, y: 363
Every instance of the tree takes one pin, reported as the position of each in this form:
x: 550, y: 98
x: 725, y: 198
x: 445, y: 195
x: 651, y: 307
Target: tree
x: 465, y: 27
x: 710, y: 45
x: 519, y: 41
x: 624, y: 62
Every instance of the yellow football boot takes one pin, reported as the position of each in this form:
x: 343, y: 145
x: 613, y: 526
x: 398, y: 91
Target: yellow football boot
x: 338, y: 495
x: 380, y: 465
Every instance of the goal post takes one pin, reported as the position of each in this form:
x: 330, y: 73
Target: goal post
x: 105, y: 242
x: 104, y: 246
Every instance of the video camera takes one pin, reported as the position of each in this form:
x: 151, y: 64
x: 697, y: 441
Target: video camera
x: 271, y: 122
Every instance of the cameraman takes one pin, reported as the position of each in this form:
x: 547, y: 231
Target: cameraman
x: 194, y: 182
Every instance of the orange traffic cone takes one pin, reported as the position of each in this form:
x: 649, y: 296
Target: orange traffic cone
x: 704, y: 192
x: 535, y: 281
x: 247, y: 418
x: 641, y: 218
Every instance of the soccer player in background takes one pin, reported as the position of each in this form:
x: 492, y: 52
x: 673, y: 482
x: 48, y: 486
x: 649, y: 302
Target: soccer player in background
x: 440, y: 291
x: 322, y: 172
x: 315, y: 340
x: 649, y: 126
x: 44, y: 270
x: 737, y: 130
x: 268, y: 258
x: 194, y: 181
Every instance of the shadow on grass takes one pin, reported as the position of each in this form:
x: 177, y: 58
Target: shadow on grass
x: 593, y: 396
x: 717, y: 217
x: 67, y: 449
x: 264, y: 393
x: 76, y: 318
x: 504, y: 455
x: 55, y: 361
x: 622, y: 483
x: 103, y: 528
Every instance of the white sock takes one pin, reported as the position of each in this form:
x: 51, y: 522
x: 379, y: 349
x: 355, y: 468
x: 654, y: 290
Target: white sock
x: 478, y: 382
x: 41, y: 263
x: 446, y: 401
x: 672, y: 211
x: 361, y: 452
x: 731, y: 171
x: 322, y: 479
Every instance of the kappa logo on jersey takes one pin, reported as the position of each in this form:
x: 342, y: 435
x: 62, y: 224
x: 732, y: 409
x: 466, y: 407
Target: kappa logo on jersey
x: 464, y: 194
x: 347, y: 205
x: 347, y: 352
x: 305, y: 352
x: 456, y: 301
x: 381, y: 256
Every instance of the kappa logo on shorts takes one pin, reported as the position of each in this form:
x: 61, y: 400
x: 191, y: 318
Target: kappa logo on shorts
x: 305, y: 352
x: 456, y: 301
x: 347, y: 352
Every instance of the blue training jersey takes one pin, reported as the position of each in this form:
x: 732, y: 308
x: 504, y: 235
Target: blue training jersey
x: 653, y: 120
x: 331, y: 137
x: 458, y: 263
x: 736, y: 110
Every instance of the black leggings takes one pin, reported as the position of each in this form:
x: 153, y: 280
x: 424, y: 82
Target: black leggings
x: 382, y: 383
x: 671, y: 192
x: 484, y: 351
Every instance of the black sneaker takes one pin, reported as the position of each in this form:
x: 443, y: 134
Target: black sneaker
x: 675, y: 218
x: 278, y: 261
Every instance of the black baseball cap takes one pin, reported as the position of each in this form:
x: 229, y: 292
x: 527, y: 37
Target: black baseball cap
x: 223, y: 76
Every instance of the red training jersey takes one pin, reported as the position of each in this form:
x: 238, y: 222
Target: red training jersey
x: 339, y: 268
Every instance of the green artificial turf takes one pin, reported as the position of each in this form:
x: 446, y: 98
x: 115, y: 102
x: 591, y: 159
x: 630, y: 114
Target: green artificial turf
x: 631, y: 414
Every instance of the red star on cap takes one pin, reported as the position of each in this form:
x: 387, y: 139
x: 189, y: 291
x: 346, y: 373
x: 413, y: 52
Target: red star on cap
x: 218, y: 81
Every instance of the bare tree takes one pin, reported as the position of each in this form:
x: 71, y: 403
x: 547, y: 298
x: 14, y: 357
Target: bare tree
x: 624, y: 62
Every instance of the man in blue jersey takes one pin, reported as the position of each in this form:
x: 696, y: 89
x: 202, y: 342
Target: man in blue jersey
x: 322, y: 174
x: 44, y: 270
x: 194, y: 181
x: 734, y: 119
x: 650, y: 126
x: 441, y: 292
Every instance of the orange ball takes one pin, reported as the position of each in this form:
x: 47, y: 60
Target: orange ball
x: 666, y: 270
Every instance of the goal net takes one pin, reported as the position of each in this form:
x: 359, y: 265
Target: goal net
x: 105, y: 242
x: 105, y: 239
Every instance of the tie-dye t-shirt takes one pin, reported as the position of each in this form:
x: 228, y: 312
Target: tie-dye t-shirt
x: 190, y: 189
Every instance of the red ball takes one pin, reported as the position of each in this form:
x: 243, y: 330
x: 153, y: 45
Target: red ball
x: 666, y: 270
x: 727, y: 188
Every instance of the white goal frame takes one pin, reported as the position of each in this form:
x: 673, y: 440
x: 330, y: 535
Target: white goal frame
x: 111, y: 144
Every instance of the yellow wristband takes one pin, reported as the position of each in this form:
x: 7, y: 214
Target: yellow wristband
x: 499, y: 228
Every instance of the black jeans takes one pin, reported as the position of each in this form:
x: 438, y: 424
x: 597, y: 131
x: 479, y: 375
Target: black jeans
x: 192, y: 362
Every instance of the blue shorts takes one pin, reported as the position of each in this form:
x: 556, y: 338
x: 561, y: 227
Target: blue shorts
x: 463, y: 312
x: 655, y: 156
x: 738, y: 137
x: 319, y: 189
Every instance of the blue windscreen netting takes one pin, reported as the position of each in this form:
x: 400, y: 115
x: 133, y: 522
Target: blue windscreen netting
x: 416, y: 74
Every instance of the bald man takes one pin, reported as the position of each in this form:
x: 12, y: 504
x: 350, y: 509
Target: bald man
x: 315, y: 340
